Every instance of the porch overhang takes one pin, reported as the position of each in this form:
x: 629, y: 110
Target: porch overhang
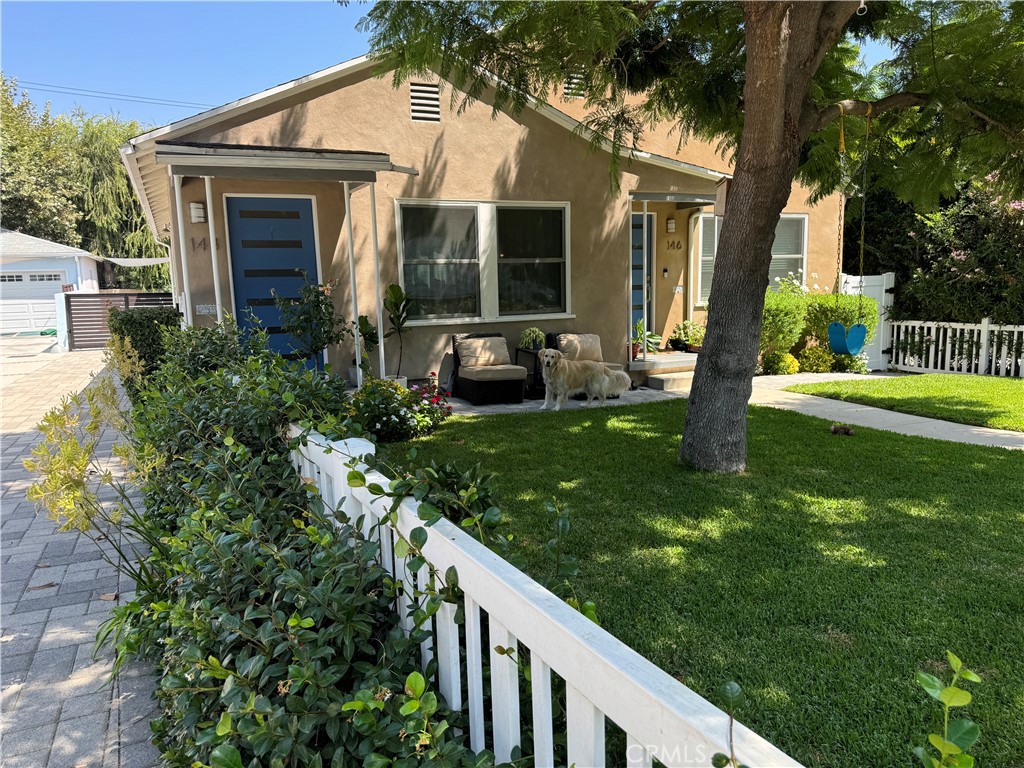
x: 682, y: 201
x: 150, y: 163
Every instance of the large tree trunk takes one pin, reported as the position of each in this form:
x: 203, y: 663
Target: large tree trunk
x: 784, y: 46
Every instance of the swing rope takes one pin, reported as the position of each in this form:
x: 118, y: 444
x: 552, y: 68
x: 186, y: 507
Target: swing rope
x: 864, y: 210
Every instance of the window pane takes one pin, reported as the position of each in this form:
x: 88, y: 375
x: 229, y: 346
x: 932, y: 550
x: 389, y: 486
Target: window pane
x: 430, y: 233
x: 531, y: 260
x: 443, y: 290
x: 531, y: 233
x: 708, y: 248
x: 789, y: 237
x: 527, y: 288
x: 781, y: 267
x: 433, y: 238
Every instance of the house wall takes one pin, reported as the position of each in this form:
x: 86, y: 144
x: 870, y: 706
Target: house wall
x: 473, y: 156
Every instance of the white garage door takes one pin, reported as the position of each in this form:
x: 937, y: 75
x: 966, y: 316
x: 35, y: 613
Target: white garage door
x: 26, y: 300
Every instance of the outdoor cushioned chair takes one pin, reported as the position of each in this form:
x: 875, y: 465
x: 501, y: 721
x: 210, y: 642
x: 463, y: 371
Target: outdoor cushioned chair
x: 484, y: 373
x: 579, y: 346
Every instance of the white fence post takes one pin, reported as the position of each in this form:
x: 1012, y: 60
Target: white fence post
x: 984, y: 360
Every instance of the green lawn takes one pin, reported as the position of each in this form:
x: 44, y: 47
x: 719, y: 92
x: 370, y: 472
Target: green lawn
x: 821, y: 579
x: 985, y: 401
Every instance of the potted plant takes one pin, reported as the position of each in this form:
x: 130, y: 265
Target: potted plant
x: 643, y: 339
x: 531, y: 338
x: 311, y: 319
x: 695, y: 336
x: 396, y: 305
x: 677, y: 341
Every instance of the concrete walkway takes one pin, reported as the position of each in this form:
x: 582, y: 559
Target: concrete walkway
x: 55, y: 590
x: 768, y: 391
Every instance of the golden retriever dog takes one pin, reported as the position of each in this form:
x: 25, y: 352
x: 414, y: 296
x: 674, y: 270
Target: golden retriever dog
x: 564, y: 377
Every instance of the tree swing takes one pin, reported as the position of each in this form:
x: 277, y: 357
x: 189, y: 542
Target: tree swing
x: 850, y: 341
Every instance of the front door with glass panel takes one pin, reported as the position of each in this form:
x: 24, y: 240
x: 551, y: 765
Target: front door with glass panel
x: 641, y: 293
x: 273, y: 251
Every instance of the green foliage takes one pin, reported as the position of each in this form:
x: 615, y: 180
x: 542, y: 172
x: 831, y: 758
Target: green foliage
x: 394, y: 413
x: 531, y: 338
x: 850, y: 363
x: 63, y: 180
x: 779, y: 364
x: 825, y: 308
x: 957, y: 736
x: 38, y: 183
x: 816, y: 359
x: 649, y: 341
x: 195, y: 350
x: 784, y: 314
x: 396, y: 307
x: 143, y: 329
x: 731, y: 697
x: 690, y: 332
x: 312, y: 320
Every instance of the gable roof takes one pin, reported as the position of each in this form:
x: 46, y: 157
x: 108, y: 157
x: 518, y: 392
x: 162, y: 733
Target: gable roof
x: 18, y: 245
x: 151, y: 187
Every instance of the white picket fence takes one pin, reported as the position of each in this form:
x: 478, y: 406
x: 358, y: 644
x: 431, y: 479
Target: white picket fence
x: 603, y: 678
x: 920, y: 346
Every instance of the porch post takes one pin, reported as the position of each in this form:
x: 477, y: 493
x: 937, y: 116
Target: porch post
x: 646, y: 287
x: 215, y: 261
x: 181, y: 248
x: 376, y: 276
x: 352, y: 282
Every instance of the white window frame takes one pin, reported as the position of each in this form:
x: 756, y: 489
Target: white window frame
x: 701, y: 304
x: 487, y: 243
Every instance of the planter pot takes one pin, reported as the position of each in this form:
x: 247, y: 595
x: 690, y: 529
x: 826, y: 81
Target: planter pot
x: 403, y: 381
x: 635, y: 351
x: 677, y: 344
x: 693, y: 347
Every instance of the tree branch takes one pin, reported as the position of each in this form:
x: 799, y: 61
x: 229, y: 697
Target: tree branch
x: 903, y: 100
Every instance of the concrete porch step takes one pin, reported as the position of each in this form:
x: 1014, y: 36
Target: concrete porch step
x: 671, y: 382
x: 665, y: 362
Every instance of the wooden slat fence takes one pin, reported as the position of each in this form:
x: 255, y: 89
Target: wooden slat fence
x: 603, y: 679
x: 87, y: 314
x: 921, y: 346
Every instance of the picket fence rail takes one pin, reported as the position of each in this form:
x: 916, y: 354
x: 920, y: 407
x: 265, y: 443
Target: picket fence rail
x: 603, y: 678
x: 922, y: 346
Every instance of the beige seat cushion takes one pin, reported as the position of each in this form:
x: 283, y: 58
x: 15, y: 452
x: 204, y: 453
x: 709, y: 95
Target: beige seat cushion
x: 480, y: 352
x: 492, y: 372
x: 581, y: 346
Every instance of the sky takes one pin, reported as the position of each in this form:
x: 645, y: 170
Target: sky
x: 202, y: 53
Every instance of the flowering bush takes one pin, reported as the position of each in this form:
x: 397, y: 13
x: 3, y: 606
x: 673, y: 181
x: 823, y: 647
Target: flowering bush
x: 394, y: 413
x: 816, y: 359
x: 779, y: 364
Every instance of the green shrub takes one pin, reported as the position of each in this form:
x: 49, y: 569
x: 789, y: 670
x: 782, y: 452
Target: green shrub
x: 784, y: 312
x: 816, y: 359
x: 779, y: 364
x: 197, y: 350
x: 824, y: 308
x: 850, y: 364
x: 143, y: 327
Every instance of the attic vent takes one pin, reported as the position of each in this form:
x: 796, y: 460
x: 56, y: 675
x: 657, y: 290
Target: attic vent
x: 425, y: 102
x: 573, y: 87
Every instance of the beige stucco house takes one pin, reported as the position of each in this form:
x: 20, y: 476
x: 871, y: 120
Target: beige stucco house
x: 490, y: 222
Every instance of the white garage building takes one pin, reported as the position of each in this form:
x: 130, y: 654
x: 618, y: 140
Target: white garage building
x: 32, y: 270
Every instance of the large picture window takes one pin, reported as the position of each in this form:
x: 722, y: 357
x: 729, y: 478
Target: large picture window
x: 441, y: 260
x: 531, y: 260
x: 789, y: 250
x: 485, y: 260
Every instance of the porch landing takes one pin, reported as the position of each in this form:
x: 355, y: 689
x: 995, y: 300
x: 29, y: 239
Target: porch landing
x: 665, y: 362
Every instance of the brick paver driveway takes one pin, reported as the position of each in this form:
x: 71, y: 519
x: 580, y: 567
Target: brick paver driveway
x: 58, y: 710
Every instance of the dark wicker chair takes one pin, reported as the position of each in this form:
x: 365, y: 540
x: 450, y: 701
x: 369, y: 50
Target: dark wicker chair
x: 484, y: 392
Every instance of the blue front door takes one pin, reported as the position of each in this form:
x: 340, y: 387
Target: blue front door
x: 640, y: 290
x: 273, y: 248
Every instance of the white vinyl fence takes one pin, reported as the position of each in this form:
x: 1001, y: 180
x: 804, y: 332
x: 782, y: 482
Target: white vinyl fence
x: 920, y: 346
x: 603, y: 678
